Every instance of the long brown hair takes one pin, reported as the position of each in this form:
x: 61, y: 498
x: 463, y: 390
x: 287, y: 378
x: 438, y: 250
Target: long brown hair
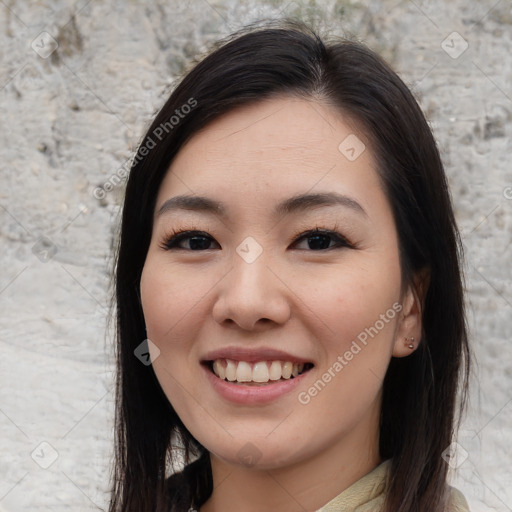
x: 419, y: 402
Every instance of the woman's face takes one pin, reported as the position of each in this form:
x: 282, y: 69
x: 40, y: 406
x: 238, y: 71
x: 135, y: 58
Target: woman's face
x: 250, y: 296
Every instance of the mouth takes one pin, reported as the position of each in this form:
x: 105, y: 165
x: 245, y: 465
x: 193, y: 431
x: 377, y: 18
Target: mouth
x: 260, y: 373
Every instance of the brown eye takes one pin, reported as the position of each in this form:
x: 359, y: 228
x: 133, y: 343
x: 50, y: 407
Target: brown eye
x: 194, y: 241
x: 320, y: 240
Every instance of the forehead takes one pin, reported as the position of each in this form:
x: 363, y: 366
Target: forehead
x: 273, y: 147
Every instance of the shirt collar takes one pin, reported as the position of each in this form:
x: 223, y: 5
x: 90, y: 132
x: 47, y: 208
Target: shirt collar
x: 366, y: 494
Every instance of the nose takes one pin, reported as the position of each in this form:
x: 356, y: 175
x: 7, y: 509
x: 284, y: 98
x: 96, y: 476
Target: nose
x: 252, y: 296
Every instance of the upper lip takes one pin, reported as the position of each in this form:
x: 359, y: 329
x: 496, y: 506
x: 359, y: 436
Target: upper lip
x: 253, y: 355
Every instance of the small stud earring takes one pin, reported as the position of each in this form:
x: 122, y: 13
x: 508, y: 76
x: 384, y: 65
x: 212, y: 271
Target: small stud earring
x: 411, y: 345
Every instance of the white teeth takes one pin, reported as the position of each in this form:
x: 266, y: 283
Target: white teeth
x: 230, y: 370
x: 244, y: 372
x: 219, y: 369
x: 287, y: 370
x: 275, y: 370
x: 261, y: 372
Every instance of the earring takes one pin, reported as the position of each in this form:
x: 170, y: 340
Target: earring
x: 411, y: 345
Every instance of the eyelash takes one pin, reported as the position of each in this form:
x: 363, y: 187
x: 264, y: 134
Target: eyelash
x: 176, y: 236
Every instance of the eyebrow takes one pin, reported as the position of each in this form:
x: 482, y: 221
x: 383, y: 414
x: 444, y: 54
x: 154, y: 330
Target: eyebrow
x: 295, y: 204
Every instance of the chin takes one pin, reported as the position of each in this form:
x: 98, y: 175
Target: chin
x: 257, y: 454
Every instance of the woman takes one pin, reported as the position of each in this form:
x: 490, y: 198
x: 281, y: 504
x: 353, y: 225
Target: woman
x: 289, y: 264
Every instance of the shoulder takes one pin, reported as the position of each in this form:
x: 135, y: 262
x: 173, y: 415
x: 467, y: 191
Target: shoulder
x: 456, y: 501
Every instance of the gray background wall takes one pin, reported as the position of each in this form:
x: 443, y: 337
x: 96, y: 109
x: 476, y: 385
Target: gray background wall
x: 79, y: 83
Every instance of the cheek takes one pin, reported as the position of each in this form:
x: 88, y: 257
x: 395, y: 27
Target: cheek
x: 169, y: 299
x: 167, y: 305
x: 358, y: 324
x: 359, y: 310
x: 176, y: 303
x: 358, y: 305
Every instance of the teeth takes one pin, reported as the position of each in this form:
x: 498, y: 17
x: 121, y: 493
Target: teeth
x: 275, y: 370
x: 219, y: 370
x: 262, y: 371
x: 287, y: 370
x: 230, y: 371
x: 244, y: 372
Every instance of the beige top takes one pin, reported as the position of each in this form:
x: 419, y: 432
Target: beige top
x: 367, y: 495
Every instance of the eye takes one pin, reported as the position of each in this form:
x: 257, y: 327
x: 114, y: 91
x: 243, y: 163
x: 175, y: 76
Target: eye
x: 197, y: 240
x: 320, y: 239
x: 194, y: 240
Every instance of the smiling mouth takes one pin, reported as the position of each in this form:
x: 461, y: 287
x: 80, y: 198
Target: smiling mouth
x: 260, y: 373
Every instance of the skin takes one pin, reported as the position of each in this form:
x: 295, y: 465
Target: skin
x: 309, y: 302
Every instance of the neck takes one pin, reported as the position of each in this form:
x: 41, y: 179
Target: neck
x: 307, y: 485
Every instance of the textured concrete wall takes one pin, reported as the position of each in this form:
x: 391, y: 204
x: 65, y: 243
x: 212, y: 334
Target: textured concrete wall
x: 79, y: 83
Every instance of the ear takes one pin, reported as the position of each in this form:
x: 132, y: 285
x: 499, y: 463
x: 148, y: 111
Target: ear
x: 409, y: 328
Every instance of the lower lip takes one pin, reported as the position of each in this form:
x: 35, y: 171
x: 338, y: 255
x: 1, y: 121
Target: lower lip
x: 242, y: 394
